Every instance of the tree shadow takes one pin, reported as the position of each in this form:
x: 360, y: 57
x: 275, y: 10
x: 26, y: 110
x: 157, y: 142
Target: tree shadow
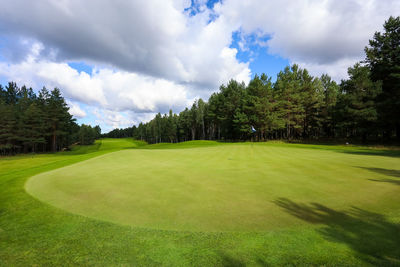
x: 373, y: 152
x: 392, y: 181
x: 387, y: 172
x: 230, y: 261
x: 372, y: 237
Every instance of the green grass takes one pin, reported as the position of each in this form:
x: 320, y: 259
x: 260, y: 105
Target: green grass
x: 201, y: 203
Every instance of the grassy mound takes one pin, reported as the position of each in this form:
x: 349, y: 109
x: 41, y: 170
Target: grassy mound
x: 213, y: 187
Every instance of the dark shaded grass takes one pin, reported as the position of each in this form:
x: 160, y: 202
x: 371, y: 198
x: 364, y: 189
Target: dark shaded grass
x: 354, y: 150
x: 374, y: 238
x: 386, y: 172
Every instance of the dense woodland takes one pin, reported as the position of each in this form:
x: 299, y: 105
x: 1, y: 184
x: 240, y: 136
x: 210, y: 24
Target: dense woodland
x: 38, y: 123
x: 297, y: 105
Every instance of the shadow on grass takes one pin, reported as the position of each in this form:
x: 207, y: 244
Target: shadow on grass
x: 230, y: 261
x: 372, y: 237
x: 392, y: 181
x: 373, y: 152
x: 387, y: 172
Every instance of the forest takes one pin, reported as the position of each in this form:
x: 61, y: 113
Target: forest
x: 38, y: 123
x: 297, y: 106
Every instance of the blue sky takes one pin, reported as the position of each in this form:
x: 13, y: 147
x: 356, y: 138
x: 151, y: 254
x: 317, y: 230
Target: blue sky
x: 122, y: 62
x: 257, y: 55
x: 81, y: 66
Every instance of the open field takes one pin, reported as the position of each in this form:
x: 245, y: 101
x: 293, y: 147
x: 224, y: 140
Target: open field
x: 121, y: 202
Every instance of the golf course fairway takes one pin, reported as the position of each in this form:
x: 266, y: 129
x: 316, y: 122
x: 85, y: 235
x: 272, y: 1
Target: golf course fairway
x: 211, y: 187
x: 121, y: 202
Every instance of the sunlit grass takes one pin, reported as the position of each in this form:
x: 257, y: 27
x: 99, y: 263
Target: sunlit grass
x: 212, y: 204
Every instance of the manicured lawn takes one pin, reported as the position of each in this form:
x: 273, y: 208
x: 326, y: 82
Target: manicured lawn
x: 201, y: 203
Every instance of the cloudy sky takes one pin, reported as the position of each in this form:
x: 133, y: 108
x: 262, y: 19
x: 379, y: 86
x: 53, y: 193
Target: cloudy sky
x: 118, y: 62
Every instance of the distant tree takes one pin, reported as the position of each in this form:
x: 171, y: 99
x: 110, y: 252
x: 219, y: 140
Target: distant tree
x: 87, y: 134
x: 58, y: 119
x: 8, y: 129
x: 97, y: 130
x: 29, y: 122
x: 262, y: 108
x: 357, y: 102
x: 383, y: 58
x: 184, y: 125
x: 331, y: 94
x: 193, y: 120
x: 232, y: 101
x: 11, y: 93
x: 214, y: 116
x: 33, y: 127
x: 290, y: 96
x: 171, y: 127
x: 298, y: 105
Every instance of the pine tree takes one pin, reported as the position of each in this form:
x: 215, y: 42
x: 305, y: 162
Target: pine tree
x: 358, y: 108
x: 59, y: 118
x: 290, y: 96
x: 383, y: 58
x: 331, y: 94
x: 8, y: 129
x: 33, y: 122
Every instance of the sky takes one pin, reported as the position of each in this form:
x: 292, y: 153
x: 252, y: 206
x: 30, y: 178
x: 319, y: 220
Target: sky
x: 120, y: 62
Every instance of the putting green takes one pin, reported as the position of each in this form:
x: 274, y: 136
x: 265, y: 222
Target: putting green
x: 232, y: 187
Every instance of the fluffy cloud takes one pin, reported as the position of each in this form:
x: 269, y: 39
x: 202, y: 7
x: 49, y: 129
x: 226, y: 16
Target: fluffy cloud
x: 109, y: 119
x: 153, y: 38
x: 76, y: 110
x: 319, y: 34
x: 118, y: 98
x: 105, y: 88
x: 164, y: 39
x: 149, y: 56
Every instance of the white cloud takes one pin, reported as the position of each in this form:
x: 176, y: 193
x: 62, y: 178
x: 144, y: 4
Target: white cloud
x: 108, y: 119
x: 320, y: 34
x: 159, y: 39
x: 120, y: 98
x: 112, y: 119
x: 104, y: 87
x: 153, y: 38
x: 337, y: 70
x: 149, y: 56
x: 75, y: 110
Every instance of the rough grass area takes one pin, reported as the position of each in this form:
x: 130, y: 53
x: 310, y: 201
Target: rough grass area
x: 203, y: 204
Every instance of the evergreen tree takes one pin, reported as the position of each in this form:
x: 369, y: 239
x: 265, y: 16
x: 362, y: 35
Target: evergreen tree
x: 331, y: 94
x: 358, y: 108
x: 8, y: 129
x: 290, y: 96
x: 33, y: 127
x: 171, y: 127
x: 262, y: 108
x: 87, y: 134
x: 59, y: 118
x: 383, y: 58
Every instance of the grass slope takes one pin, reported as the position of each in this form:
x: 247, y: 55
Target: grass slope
x: 215, y: 188
x: 342, y: 209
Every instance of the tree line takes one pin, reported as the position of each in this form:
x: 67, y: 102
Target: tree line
x: 120, y: 133
x: 297, y: 105
x: 38, y: 123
